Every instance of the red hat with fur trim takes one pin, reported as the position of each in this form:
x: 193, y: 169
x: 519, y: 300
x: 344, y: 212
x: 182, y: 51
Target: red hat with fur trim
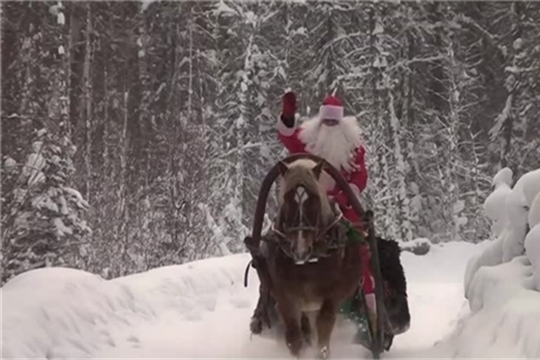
x: 331, y: 109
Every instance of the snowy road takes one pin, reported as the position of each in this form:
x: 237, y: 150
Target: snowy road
x: 219, y: 327
x: 201, y: 310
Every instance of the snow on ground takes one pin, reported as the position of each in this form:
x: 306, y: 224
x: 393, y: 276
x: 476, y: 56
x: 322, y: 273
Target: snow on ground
x: 197, y: 310
x: 505, y: 316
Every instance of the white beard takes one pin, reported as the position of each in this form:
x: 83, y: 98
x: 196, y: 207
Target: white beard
x: 335, y: 144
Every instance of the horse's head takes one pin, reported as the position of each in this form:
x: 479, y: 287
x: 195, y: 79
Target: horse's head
x: 304, y: 210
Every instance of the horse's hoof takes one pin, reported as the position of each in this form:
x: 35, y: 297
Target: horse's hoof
x: 324, y: 353
x: 295, y: 348
x: 388, y: 340
x: 256, y: 326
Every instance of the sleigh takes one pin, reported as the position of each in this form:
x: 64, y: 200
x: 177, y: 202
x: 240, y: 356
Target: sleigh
x: 282, y: 275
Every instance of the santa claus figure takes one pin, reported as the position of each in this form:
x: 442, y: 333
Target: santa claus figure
x: 332, y: 136
x: 335, y: 138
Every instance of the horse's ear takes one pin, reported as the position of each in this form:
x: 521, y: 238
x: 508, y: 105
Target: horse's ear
x: 282, y: 167
x: 317, y: 170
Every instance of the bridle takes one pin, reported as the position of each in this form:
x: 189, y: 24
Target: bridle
x: 322, y: 235
x: 319, y: 234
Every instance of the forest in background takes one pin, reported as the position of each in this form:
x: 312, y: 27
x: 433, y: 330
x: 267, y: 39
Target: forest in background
x: 135, y: 135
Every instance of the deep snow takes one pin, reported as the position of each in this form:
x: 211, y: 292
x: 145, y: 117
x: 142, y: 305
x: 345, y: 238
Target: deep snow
x: 199, y: 310
x: 502, y: 281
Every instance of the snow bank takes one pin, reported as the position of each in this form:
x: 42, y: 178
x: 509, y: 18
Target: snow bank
x: 505, y: 318
x: 494, y: 204
x: 179, y: 311
x: 507, y: 208
x: 67, y: 313
x: 532, y: 240
x: 529, y: 185
x: 64, y: 313
x: 502, y: 282
x: 190, y: 289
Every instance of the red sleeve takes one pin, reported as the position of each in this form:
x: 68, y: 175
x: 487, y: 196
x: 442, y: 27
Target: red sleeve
x: 359, y: 177
x: 289, y: 137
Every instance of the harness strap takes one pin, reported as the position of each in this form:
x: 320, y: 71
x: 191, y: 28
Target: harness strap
x: 330, y: 226
x: 342, y: 234
x: 246, y: 273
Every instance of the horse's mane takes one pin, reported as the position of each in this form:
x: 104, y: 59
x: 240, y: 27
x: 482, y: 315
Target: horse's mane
x: 300, y: 173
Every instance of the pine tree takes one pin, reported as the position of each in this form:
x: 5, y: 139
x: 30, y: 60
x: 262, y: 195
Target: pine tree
x: 44, y: 223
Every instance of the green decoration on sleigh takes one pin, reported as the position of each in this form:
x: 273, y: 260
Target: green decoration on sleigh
x: 351, y: 308
x: 354, y: 235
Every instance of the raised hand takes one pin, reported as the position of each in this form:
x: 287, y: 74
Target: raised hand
x: 289, y: 106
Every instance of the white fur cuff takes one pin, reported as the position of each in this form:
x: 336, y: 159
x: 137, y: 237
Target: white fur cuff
x: 283, y: 129
x: 331, y: 112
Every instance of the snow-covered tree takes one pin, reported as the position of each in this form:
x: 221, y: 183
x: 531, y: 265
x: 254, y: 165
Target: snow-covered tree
x: 173, y: 105
x: 43, y: 216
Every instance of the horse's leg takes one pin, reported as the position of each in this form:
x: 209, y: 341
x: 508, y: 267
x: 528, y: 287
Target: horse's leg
x: 325, y: 324
x: 306, y: 328
x: 291, y: 315
x: 256, y: 324
x: 261, y: 314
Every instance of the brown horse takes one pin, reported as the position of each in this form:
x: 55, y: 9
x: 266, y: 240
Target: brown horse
x: 307, y: 274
